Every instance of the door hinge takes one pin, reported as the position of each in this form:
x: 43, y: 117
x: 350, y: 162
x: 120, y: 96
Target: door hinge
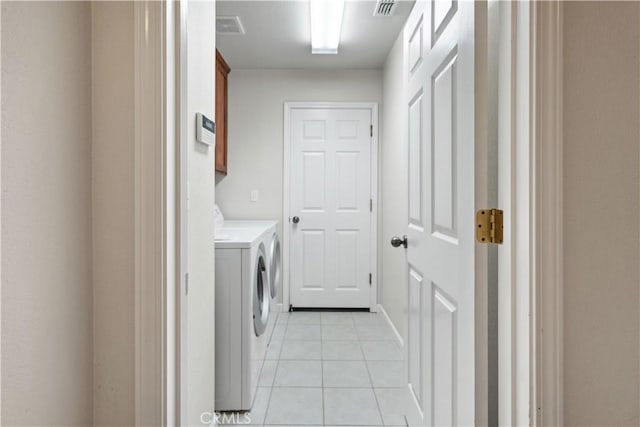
x: 186, y: 284
x: 371, y: 131
x: 370, y: 279
x: 489, y: 226
x: 370, y: 205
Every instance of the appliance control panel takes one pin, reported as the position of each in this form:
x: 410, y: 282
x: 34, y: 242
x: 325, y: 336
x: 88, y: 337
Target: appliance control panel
x: 205, y: 129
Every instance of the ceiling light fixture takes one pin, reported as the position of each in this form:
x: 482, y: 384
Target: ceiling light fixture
x: 326, y: 25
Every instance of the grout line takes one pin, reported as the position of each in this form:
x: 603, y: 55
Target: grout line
x: 373, y: 388
x: 266, y: 411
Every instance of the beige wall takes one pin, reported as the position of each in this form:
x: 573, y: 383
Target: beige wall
x: 601, y: 213
x: 68, y: 213
x: 113, y: 213
x: 393, y: 188
x: 46, y: 218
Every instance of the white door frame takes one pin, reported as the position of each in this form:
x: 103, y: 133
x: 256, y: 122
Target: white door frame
x: 153, y: 383
x: 514, y: 272
x: 286, y: 196
x: 150, y: 222
x: 160, y: 60
x: 180, y: 179
x: 0, y: 223
x: 531, y: 334
x: 547, y: 216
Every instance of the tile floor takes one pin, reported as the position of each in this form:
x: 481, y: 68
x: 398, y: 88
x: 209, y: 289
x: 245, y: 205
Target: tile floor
x: 332, y: 369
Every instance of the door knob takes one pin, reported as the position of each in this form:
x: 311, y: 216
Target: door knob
x: 396, y: 241
x: 296, y: 219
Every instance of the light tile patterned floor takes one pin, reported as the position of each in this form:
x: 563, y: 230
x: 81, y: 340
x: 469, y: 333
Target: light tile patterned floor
x: 332, y: 369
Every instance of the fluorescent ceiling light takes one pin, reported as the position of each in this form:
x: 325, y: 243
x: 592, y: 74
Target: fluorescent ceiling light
x: 326, y: 24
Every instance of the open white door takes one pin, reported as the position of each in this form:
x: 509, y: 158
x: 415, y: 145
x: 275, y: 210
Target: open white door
x: 446, y: 100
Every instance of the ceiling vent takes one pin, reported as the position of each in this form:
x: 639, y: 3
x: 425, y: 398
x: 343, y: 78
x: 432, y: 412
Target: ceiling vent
x: 385, y: 8
x: 229, y: 25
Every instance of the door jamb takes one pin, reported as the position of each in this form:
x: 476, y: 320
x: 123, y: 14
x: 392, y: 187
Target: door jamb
x: 181, y: 177
x: 158, y: 36
x: 0, y: 223
x: 150, y: 280
x: 531, y: 390
x: 515, y: 191
x: 546, y: 367
x: 373, y: 257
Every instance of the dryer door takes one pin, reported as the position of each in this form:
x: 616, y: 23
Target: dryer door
x: 260, y: 295
x: 275, y: 266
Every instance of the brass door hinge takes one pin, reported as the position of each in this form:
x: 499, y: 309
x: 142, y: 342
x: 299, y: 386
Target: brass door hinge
x: 489, y: 226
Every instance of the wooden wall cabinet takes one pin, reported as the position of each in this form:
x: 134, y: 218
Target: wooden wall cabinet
x: 222, y: 72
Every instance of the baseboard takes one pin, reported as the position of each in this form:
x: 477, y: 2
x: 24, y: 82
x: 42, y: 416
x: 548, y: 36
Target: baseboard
x: 393, y: 327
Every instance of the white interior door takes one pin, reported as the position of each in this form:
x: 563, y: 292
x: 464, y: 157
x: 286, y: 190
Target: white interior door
x: 330, y: 207
x: 444, y: 47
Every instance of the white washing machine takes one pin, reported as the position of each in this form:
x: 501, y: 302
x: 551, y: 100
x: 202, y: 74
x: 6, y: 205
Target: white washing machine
x: 274, y: 258
x: 242, y: 314
x: 274, y: 254
x: 274, y: 262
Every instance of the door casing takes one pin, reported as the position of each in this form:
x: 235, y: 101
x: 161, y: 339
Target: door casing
x: 545, y: 311
x: 546, y: 192
x: 286, y: 193
x: 532, y: 262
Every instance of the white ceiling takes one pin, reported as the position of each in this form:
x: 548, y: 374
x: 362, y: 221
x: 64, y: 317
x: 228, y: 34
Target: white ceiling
x: 277, y: 35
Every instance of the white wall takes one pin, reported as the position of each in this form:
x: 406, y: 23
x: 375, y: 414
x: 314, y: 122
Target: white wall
x: 393, y: 185
x: 113, y: 213
x: 601, y: 213
x: 256, y: 105
x: 200, y: 158
x: 46, y: 219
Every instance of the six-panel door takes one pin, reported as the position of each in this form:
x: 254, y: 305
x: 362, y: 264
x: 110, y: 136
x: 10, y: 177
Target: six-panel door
x: 330, y: 184
x: 440, y: 42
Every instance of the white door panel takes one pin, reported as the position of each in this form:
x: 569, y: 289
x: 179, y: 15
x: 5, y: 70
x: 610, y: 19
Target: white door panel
x: 441, y: 255
x: 330, y: 192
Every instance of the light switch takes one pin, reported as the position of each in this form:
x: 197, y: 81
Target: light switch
x: 254, y: 195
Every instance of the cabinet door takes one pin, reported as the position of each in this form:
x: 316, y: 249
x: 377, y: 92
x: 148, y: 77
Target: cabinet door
x: 222, y: 71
